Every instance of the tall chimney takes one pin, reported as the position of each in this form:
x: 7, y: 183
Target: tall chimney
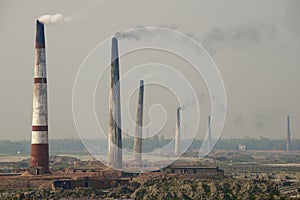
x: 209, y: 132
x: 288, y: 135
x: 137, y: 144
x: 114, y: 127
x: 39, y: 160
x: 177, y: 134
x: 184, y: 135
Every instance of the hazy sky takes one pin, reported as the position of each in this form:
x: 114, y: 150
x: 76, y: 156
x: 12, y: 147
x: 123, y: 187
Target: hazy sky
x: 256, y: 45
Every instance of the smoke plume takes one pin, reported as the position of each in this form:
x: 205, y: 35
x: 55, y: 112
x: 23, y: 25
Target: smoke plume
x: 137, y: 35
x: 235, y: 37
x: 53, y: 19
x: 193, y: 101
x: 239, y: 36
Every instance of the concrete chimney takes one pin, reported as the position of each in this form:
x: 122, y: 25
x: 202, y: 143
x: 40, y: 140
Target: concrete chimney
x: 114, y: 126
x: 39, y: 160
x: 177, y: 133
x: 184, y: 135
x: 209, y: 132
x: 137, y: 144
x: 288, y: 135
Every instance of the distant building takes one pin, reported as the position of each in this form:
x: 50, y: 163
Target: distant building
x: 87, y: 182
x: 195, y: 171
x: 242, y: 147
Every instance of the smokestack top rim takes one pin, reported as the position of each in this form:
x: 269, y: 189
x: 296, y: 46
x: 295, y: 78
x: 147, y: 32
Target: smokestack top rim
x: 40, y: 35
x: 39, y: 22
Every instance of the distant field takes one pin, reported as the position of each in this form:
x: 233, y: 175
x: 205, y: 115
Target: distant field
x: 9, y: 158
x: 17, y: 158
x: 284, y: 165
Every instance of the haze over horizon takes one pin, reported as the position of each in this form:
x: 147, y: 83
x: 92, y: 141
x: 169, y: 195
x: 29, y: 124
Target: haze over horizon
x: 255, y: 45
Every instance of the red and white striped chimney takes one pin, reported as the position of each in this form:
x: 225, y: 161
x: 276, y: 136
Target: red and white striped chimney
x: 39, y: 160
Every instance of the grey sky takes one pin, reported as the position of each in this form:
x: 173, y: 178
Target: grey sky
x: 255, y: 44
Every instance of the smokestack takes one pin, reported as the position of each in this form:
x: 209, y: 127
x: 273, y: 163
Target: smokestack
x: 184, y: 135
x: 177, y: 134
x: 288, y: 135
x: 39, y: 160
x: 114, y: 127
x: 209, y: 132
x: 137, y: 148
